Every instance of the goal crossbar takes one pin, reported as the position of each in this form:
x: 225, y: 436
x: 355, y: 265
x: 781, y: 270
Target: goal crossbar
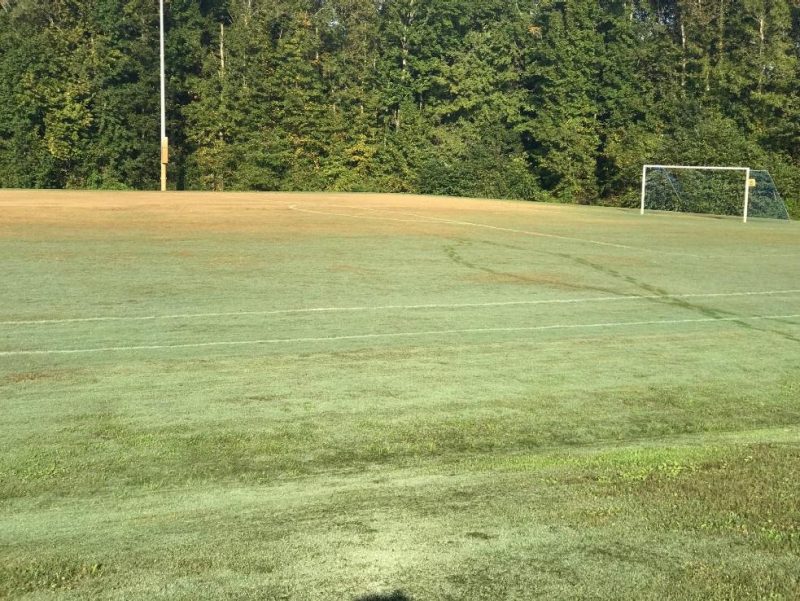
x: 745, y: 170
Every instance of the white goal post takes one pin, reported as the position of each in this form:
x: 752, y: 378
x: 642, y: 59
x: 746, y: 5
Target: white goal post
x: 745, y: 171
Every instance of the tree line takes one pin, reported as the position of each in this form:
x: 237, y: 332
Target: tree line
x: 534, y: 99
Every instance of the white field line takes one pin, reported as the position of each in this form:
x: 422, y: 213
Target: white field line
x: 554, y: 301
x: 428, y: 219
x: 265, y: 341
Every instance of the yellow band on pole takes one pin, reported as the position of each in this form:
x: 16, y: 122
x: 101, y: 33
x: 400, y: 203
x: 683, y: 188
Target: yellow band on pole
x: 164, y: 151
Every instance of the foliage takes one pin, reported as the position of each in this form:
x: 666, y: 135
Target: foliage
x: 560, y: 98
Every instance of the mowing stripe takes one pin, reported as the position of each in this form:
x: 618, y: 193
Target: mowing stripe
x: 554, y: 301
x: 265, y: 341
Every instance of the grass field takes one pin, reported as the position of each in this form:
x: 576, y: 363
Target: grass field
x: 340, y: 397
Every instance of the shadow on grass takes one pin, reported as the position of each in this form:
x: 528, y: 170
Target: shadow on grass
x: 395, y: 596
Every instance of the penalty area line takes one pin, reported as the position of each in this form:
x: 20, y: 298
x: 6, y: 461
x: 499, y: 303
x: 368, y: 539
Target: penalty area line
x: 389, y: 335
x: 549, y: 301
x: 430, y: 219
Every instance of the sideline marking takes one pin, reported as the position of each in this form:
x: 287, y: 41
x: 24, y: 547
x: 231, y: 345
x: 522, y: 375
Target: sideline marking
x: 552, y: 301
x: 150, y: 347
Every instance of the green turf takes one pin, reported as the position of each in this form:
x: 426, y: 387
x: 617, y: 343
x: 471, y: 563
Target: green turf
x: 571, y: 403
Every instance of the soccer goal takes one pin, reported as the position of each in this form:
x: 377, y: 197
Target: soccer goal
x: 738, y: 191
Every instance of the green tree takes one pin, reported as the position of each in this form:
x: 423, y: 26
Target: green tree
x: 563, y: 132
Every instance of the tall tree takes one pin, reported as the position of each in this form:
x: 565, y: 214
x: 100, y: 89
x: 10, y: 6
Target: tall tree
x: 527, y: 99
x: 562, y: 79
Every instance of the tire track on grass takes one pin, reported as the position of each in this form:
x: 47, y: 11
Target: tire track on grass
x: 662, y: 296
x: 656, y: 294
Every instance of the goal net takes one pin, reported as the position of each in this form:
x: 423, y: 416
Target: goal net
x: 737, y: 191
x: 765, y: 200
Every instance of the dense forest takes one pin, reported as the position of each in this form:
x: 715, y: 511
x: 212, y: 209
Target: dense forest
x: 532, y: 99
